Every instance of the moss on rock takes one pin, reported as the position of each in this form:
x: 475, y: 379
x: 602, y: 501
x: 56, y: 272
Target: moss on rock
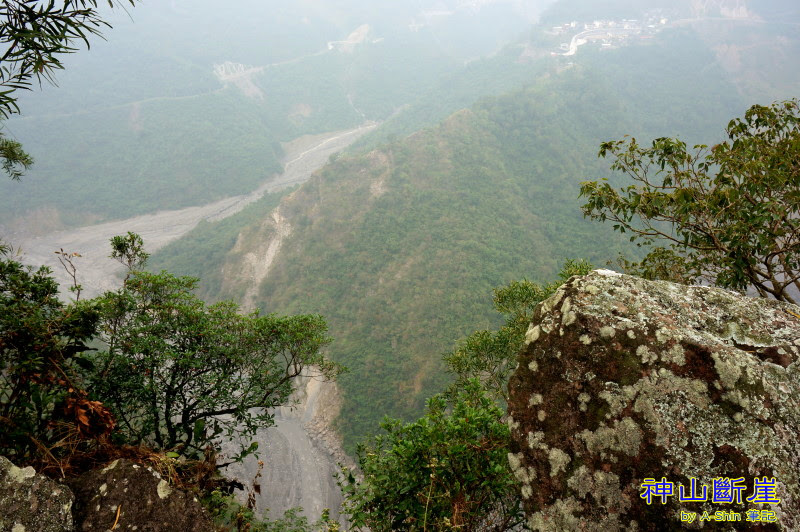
x: 654, y: 380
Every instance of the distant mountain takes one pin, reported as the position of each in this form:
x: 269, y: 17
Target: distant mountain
x: 187, y: 102
x: 400, y: 246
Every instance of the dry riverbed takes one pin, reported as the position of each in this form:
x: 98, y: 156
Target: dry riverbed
x: 97, y: 273
x: 301, y: 452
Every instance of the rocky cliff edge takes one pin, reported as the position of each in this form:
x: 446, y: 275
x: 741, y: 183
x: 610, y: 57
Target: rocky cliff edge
x: 627, y: 386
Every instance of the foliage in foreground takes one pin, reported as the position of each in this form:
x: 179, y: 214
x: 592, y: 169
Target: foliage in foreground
x: 173, y: 373
x: 729, y: 213
x: 33, y: 37
x: 179, y: 374
x: 490, y: 356
x: 42, y: 345
x: 446, y: 470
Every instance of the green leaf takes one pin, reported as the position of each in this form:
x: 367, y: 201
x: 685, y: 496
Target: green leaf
x: 84, y: 363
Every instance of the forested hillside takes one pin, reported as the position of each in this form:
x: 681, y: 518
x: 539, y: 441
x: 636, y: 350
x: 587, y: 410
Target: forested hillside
x: 399, y: 247
x: 190, y: 101
x: 377, y: 195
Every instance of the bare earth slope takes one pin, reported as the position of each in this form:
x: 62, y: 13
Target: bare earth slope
x: 300, y: 454
x: 98, y: 273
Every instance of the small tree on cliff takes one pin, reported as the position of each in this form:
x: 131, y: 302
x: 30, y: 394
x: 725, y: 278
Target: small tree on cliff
x: 179, y: 373
x: 446, y: 471
x: 729, y: 213
x: 176, y: 373
x: 490, y: 356
x: 42, y: 355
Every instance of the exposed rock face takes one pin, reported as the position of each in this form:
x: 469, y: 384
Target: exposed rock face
x: 32, y: 502
x: 300, y: 454
x: 140, y: 497
x: 622, y: 379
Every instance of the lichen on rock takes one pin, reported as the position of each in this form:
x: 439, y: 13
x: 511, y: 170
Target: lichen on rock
x: 654, y: 379
x: 32, y: 502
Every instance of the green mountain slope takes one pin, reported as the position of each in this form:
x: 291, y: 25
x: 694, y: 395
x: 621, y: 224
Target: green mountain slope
x: 400, y: 247
x: 144, y: 121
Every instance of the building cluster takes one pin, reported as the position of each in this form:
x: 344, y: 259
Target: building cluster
x: 607, y: 33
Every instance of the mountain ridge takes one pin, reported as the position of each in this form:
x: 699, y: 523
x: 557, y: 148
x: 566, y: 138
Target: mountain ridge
x: 400, y: 246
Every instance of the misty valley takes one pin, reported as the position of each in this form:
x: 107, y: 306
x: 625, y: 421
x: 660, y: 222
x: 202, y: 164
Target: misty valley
x: 457, y: 265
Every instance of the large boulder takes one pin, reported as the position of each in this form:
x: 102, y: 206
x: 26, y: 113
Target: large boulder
x: 32, y: 502
x: 623, y: 380
x: 127, y: 496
